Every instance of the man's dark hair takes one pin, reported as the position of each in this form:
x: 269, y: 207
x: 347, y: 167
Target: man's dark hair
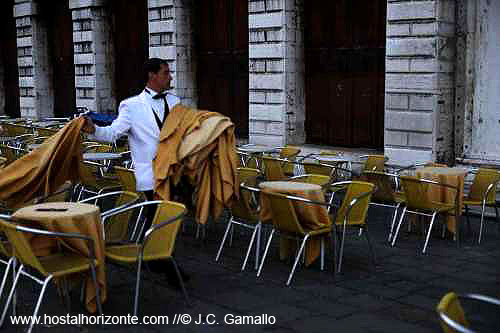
x: 153, y: 65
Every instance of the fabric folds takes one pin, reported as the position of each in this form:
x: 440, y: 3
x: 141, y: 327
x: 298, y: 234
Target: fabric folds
x: 200, y: 145
x: 44, y: 170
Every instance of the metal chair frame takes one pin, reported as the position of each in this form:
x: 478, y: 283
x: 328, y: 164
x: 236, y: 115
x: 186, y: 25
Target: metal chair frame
x: 433, y: 215
x: 142, y: 245
x: 477, y: 297
x: 303, y: 239
x: 44, y: 282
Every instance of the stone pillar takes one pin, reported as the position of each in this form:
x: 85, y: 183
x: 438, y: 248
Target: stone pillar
x: 276, y: 84
x: 93, y: 54
x: 35, y: 73
x: 162, y: 34
x: 420, y: 60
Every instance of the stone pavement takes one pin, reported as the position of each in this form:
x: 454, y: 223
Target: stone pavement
x: 398, y: 295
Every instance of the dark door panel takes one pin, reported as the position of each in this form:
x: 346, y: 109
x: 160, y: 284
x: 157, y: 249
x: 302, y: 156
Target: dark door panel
x: 222, y: 58
x: 345, y: 55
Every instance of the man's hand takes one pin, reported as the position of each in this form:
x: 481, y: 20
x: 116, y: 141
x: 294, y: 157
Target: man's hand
x: 88, y: 126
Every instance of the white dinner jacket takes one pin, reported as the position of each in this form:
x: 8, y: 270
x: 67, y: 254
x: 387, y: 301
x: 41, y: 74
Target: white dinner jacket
x: 136, y: 119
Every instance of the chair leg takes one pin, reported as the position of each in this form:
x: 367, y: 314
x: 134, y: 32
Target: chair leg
x: 137, y: 286
x: 395, y: 237
x: 265, y: 252
x: 341, y: 251
x: 429, y: 232
x: 468, y: 219
x: 181, y: 281
x: 322, y: 267
x: 221, y: 246
x: 393, y: 222
x: 481, y: 225
x: 11, y: 294
x: 5, y: 275
x: 250, y: 245
x: 370, y: 246
x: 257, y: 247
x: 335, y: 242
x: 301, y: 249
x: 39, y: 302
x: 496, y: 215
x: 97, y: 288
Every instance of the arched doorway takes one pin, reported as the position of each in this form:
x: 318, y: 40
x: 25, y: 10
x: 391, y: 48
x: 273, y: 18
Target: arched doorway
x: 222, y: 59
x: 8, y: 60
x: 345, y: 72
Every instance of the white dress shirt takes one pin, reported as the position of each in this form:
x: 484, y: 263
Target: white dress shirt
x: 137, y: 121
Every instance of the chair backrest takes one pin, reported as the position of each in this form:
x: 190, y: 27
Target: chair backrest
x: 243, y: 207
x: 162, y: 239
x: 450, y: 306
x: 273, y: 169
x: 46, y: 132
x: 289, y: 153
x: 98, y: 148
x: 360, y: 193
x: 127, y: 178
x: 15, y: 130
x: 416, y: 192
x: 9, y: 153
x: 3, y: 161
x: 117, y: 226
x: 283, y: 212
x: 88, y: 173
x: 329, y: 153
x: 385, y: 185
x: 374, y: 163
x: 483, y: 179
x: 21, y: 245
x: 319, y: 169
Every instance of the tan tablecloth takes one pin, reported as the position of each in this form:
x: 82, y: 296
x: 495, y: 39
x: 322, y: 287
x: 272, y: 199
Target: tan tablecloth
x: 77, y: 218
x: 449, y: 176
x: 311, y: 216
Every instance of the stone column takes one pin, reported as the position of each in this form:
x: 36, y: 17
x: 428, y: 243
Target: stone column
x: 420, y: 60
x: 93, y: 54
x: 35, y: 73
x: 276, y: 72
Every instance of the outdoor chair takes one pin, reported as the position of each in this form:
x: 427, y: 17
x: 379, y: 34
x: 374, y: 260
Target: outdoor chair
x: 92, y: 182
x: 374, y: 162
x: 288, y: 153
x: 386, y: 194
x: 245, y: 213
x: 418, y: 202
x: 273, y: 171
x: 483, y: 193
x: 287, y: 224
x: 158, y: 242
x: 3, y: 162
x: 352, y: 213
x: 451, y: 314
x: 46, y: 132
x: 58, y: 265
x: 116, y: 226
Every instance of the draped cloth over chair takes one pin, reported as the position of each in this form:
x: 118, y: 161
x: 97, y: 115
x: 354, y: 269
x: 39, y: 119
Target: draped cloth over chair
x: 200, y: 145
x: 448, y: 176
x: 312, y: 217
x: 45, y: 169
x: 70, y: 217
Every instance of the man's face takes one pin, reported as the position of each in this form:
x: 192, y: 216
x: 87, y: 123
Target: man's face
x: 162, y: 78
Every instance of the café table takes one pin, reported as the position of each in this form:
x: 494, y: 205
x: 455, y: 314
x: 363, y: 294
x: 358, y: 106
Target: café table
x: 311, y: 216
x: 70, y: 217
x: 101, y: 156
x: 450, y: 176
x: 255, y: 151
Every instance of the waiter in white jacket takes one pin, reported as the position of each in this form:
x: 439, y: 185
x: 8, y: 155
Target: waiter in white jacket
x: 141, y: 118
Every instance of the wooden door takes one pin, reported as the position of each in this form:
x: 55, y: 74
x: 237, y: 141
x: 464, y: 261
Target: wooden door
x: 222, y: 59
x: 8, y: 54
x: 345, y: 72
x: 130, y: 37
x: 57, y: 17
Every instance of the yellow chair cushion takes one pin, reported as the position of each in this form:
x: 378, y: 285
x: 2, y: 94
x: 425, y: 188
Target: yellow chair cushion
x: 65, y: 263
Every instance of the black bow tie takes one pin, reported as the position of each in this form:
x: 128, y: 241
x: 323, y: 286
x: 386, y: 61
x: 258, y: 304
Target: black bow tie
x: 160, y: 95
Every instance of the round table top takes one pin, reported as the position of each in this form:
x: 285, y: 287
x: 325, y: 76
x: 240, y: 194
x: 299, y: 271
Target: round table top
x: 101, y: 156
x: 56, y: 210
x: 289, y: 186
x: 442, y: 171
x: 332, y: 158
x: 254, y: 148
